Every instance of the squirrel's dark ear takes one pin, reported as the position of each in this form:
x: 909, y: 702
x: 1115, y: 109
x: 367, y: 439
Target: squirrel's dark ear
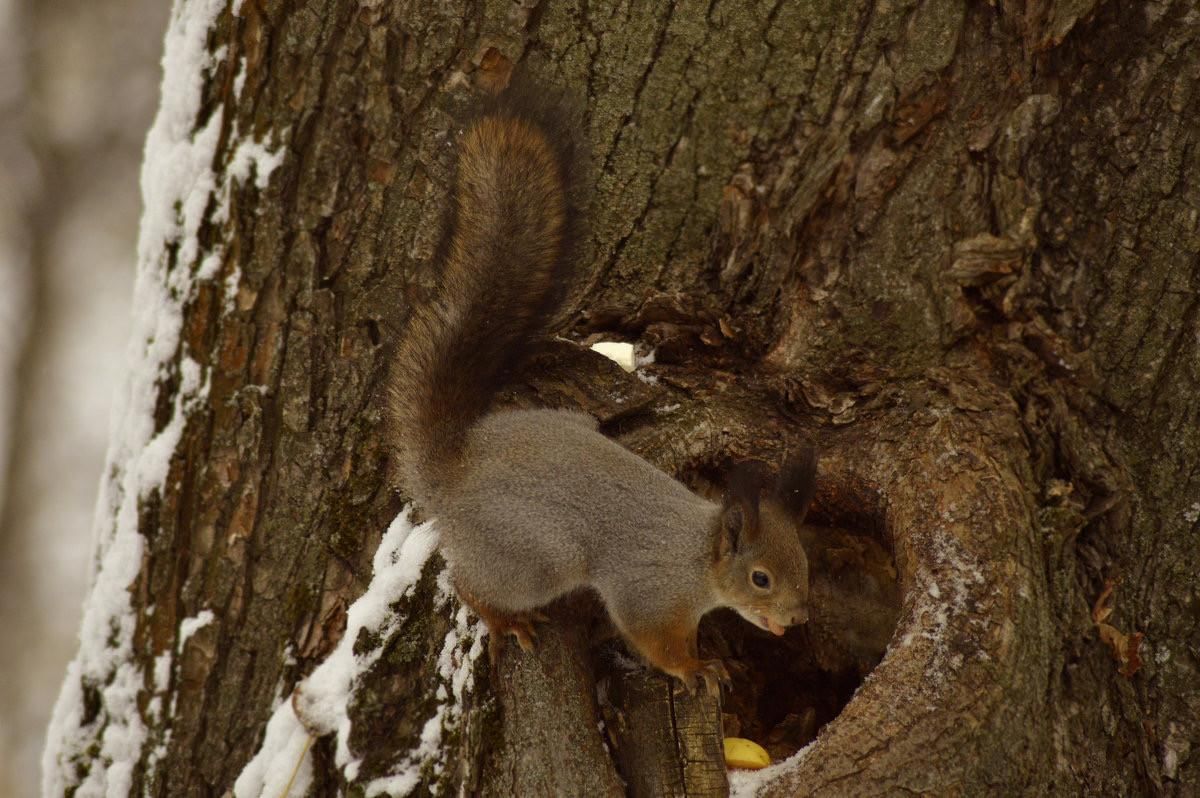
x: 729, y: 536
x: 739, y: 515
x: 797, y: 483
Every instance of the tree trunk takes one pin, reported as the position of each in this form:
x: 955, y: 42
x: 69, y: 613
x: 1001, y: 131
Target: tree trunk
x: 951, y: 244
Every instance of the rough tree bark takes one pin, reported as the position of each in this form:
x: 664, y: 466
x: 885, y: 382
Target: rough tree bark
x: 953, y: 244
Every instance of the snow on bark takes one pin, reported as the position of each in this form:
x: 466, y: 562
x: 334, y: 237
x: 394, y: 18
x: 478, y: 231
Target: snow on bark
x: 282, y: 767
x: 97, y: 731
x: 189, y: 627
x: 320, y: 703
x: 947, y: 594
x: 748, y: 783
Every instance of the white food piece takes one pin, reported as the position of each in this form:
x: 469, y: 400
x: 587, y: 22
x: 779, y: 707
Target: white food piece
x: 619, y: 353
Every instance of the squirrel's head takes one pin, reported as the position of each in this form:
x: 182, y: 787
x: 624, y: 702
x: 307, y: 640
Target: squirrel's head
x: 761, y: 569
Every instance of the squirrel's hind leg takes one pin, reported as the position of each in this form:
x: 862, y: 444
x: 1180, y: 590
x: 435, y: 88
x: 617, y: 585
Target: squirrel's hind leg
x: 672, y: 649
x: 501, y: 623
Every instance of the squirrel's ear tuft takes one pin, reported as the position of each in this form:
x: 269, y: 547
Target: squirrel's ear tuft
x: 797, y: 483
x: 739, y: 515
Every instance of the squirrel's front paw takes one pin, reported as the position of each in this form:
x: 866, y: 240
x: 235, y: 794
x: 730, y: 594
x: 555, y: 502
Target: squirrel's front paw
x: 712, y: 673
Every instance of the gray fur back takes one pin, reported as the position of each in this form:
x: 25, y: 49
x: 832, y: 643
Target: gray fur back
x: 545, y: 504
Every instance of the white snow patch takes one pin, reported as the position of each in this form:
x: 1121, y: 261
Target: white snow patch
x: 456, y: 669
x: 323, y: 698
x: 154, y: 709
x: 154, y: 461
x: 1192, y: 514
x: 649, y: 379
x: 178, y: 186
x: 249, y: 157
x: 239, y: 80
x: 284, y: 752
x: 232, y: 281
x: 209, y: 267
x: 189, y: 627
x: 747, y: 783
x: 162, y: 672
x: 253, y: 156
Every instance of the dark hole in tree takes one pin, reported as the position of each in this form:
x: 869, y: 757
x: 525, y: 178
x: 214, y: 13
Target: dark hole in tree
x: 786, y: 688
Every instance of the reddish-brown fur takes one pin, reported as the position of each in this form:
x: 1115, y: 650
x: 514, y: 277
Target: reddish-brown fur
x: 504, y: 266
x: 671, y: 647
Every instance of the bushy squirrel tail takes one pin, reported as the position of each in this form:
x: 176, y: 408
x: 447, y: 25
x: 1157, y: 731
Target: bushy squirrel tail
x: 506, y: 264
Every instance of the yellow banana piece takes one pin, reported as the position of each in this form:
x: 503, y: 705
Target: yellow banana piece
x: 743, y: 753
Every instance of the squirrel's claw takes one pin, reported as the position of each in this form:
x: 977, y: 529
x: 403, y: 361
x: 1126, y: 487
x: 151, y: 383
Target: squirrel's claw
x: 711, y: 673
x: 525, y: 634
x: 520, y: 626
x: 714, y: 674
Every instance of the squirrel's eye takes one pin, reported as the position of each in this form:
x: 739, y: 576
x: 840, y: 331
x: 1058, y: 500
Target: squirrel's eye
x: 760, y: 579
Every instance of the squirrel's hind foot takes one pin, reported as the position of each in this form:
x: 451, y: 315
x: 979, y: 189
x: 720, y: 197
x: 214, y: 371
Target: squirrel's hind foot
x: 520, y: 625
x: 501, y: 624
x: 672, y: 649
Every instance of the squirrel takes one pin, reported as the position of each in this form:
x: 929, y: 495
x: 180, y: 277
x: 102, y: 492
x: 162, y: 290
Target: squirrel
x: 533, y: 504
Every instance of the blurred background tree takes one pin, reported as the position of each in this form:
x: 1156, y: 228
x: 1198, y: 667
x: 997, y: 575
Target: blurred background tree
x: 78, y: 88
